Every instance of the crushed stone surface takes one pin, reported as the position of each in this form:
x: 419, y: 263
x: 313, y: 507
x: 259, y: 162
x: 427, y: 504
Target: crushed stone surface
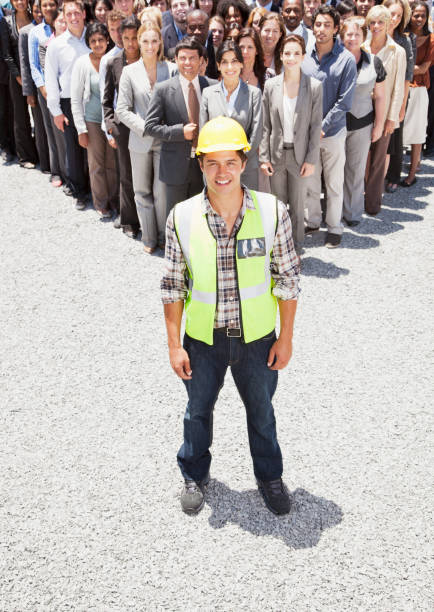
x: 91, y: 420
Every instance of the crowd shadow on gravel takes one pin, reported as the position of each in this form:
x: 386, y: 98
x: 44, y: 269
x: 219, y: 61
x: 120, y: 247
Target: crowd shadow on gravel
x: 301, y: 528
x: 349, y: 241
x: 312, y: 266
x: 388, y: 221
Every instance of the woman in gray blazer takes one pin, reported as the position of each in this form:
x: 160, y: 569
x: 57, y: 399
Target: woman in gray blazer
x: 292, y: 111
x: 135, y: 88
x: 234, y: 98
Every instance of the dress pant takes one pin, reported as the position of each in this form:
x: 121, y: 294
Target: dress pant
x: 395, y: 149
x: 7, y: 140
x: 149, y: 194
x: 126, y: 204
x: 59, y: 137
x: 24, y: 143
x: 290, y: 188
x: 375, y: 175
x: 102, y: 168
x: 256, y: 384
x: 250, y: 177
x: 75, y: 155
x: 332, y: 163
x: 41, y: 138
x: 430, y: 127
x: 356, y: 153
x: 192, y: 186
x: 55, y: 166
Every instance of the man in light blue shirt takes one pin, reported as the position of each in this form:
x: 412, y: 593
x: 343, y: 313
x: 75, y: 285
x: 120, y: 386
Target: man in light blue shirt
x: 332, y: 64
x: 61, y: 56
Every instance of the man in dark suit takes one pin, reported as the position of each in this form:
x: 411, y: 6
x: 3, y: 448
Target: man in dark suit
x: 173, y: 118
x: 274, y: 7
x: 198, y: 27
x: 174, y: 31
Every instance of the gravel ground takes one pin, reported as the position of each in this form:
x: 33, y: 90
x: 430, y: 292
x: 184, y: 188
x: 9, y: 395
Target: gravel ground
x: 91, y: 421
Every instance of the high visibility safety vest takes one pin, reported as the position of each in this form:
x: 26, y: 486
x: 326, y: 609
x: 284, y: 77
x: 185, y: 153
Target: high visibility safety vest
x: 254, y: 244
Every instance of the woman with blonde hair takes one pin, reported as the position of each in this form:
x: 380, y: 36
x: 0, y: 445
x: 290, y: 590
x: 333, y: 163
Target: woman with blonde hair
x: 151, y: 13
x: 135, y: 88
x: 394, y: 62
x: 272, y: 31
x: 400, y: 14
x: 255, y: 17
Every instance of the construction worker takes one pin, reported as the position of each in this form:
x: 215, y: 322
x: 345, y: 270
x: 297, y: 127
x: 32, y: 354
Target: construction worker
x: 230, y: 260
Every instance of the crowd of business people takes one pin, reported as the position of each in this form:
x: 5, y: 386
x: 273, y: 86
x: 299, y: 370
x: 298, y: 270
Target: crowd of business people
x: 328, y: 95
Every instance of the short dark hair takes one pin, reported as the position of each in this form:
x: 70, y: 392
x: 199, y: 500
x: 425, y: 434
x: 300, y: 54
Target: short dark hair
x: 130, y: 23
x: 229, y: 45
x: 190, y: 43
x: 345, y: 6
x: 326, y: 9
x: 96, y: 28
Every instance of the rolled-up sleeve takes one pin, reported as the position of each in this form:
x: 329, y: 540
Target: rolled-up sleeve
x: 285, y: 263
x: 173, y: 284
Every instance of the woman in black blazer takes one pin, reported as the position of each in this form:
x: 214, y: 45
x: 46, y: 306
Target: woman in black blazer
x: 24, y: 143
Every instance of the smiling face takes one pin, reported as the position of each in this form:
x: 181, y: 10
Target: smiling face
x: 188, y: 62
x: 114, y: 29
x: 378, y: 27
x: 230, y: 68
x: 363, y: 6
x: 222, y: 171
x: 20, y: 6
x: 49, y: 10
x: 310, y: 7
x: 126, y: 7
x: 150, y: 44
x: 197, y: 26
x: 418, y: 18
x: 98, y: 44
x: 74, y: 16
x: 396, y: 12
x: 292, y: 14
x: 270, y: 35
x: 233, y: 18
x: 292, y: 55
x: 179, y: 11
x: 206, y: 5
x: 352, y: 38
x: 101, y: 12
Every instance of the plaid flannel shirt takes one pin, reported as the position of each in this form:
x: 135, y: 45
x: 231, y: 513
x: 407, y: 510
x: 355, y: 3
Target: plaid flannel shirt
x: 284, y: 262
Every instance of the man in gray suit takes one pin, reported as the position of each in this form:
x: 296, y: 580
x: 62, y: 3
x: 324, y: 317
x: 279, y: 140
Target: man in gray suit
x: 173, y: 118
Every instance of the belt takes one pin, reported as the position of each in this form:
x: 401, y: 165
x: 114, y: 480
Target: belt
x: 231, y: 332
x: 288, y: 145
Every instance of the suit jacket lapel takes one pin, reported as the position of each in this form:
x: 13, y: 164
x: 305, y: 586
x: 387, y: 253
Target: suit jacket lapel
x: 278, y: 98
x: 178, y: 96
x: 242, y: 101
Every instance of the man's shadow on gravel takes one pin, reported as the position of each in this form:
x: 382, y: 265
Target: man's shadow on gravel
x: 301, y: 528
x: 312, y: 266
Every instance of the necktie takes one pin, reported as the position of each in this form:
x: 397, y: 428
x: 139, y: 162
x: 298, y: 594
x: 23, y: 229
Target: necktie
x: 193, y: 110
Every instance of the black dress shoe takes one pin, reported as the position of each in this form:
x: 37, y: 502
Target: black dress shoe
x: 275, y: 496
x: 352, y: 223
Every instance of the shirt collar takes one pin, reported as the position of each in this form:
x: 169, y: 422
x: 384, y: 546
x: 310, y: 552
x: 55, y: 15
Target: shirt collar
x: 185, y: 82
x: 234, y: 93
x: 335, y: 50
x: 68, y: 35
x: 298, y: 30
x: 207, y: 209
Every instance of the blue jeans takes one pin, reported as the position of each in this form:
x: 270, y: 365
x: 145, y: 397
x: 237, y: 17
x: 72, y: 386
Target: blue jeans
x: 256, y: 384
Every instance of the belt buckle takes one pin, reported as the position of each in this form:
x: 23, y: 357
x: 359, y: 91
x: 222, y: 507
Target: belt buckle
x: 233, y: 332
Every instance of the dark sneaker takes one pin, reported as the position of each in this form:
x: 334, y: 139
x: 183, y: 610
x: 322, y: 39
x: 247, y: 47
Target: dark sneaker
x: 80, y: 204
x: 310, y: 230
x: 275, y: 496
x: 332, y: 240
x: 192, y: 497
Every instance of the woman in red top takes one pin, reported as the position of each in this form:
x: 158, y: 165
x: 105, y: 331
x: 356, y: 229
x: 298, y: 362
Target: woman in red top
x: 416, y: 117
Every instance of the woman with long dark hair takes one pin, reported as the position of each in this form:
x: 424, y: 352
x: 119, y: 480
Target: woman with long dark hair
x: 234, y: 98
x: 272, y: 31
x: 253, y: 71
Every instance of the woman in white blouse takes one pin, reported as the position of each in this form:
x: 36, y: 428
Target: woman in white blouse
x: 232, y: 97
x: 87, y: 113
x: 292, y: 113
x: 135, y: 88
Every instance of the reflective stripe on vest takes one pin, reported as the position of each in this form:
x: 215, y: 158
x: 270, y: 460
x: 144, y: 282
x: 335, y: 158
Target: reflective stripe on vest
x: 254, y: 244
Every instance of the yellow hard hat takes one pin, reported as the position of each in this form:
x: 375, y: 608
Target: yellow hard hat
x: 222, y: 134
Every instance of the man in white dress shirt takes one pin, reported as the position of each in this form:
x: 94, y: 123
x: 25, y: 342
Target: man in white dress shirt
x: 62, y: 54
